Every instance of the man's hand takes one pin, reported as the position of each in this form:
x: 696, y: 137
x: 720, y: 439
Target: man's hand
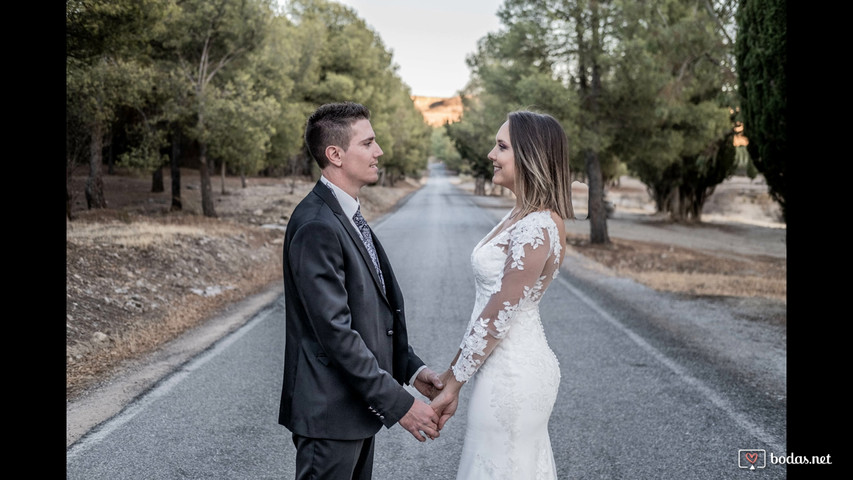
x: 421, y: 420
x: 428, y: 383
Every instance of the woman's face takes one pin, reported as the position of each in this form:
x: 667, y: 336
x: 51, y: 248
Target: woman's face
x: 503, y: 159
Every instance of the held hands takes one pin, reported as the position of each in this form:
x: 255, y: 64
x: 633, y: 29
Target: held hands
x: 421, y: 420
x: 424, y: 420
x: 428, y: 383
x: 446, y: 402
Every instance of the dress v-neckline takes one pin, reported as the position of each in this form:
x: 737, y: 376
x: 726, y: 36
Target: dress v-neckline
x: 497, y: 230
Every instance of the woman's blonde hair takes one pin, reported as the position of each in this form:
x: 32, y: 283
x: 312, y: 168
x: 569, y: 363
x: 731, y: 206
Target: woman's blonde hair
x: 542, y: 177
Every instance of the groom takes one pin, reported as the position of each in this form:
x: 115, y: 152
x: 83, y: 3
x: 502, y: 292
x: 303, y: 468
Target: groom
x: 347, y: 354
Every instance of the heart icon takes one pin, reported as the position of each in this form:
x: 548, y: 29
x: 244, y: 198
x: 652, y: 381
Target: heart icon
x: 751, y: 457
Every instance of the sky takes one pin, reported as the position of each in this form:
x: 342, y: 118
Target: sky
x: 429, y: 39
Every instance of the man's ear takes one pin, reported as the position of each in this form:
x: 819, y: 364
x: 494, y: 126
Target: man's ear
x: 335, y: 155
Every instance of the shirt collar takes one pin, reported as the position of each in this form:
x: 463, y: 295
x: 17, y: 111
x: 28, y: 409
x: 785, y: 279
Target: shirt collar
x: 348, y: 204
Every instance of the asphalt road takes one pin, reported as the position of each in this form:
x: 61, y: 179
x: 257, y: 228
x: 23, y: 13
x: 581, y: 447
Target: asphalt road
x: 653, y: 387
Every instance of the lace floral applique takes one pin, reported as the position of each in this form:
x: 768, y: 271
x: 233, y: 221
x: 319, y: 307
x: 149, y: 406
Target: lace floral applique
x: 519, y: 286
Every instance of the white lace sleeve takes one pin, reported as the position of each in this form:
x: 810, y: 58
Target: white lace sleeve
x: 530, y: 260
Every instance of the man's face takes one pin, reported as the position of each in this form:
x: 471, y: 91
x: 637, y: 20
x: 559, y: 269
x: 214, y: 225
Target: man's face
x: 361, y: 159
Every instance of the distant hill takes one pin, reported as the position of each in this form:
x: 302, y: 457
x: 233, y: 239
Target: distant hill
x: 437, y: 111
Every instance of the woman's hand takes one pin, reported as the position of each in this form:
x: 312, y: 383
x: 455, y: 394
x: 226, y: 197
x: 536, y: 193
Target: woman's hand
x: 447, y: 401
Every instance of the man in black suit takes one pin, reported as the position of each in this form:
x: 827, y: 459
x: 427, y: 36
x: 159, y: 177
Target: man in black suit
x: 347, y: 354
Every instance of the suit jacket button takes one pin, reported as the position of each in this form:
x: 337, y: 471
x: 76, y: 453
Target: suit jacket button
x: 390, y: 332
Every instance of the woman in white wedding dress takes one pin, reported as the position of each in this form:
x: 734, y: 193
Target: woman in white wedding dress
x: 504, y: 353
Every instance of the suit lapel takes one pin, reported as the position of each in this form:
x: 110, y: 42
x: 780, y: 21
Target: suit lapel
x: 326, y: 194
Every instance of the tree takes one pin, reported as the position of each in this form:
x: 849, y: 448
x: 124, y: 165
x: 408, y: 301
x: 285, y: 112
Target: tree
x: 675, y: 87
x: 647, y: 85
x: 280, y: 68
x: 76, y: 141
x: 207, y: 37
x: 341, y: 58
x: 591, y: 23
x: 555, y: 55
x: 761, y: 52
x: 106, y: 69
x: 442, y: 149
x: 407, y: 149
x: 473, y: 137
x: 241, y: 134
x: 177, y: 118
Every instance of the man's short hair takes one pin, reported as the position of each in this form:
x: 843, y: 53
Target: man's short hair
x: 331, y: 124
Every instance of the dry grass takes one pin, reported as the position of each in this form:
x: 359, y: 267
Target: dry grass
x: 140, y: 234
x: 713, y: 285
x: 692, y: 272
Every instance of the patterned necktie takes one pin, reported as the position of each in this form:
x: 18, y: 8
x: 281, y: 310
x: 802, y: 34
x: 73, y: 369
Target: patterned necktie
x: 367, y: 238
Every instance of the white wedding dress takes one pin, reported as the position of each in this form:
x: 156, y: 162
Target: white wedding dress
x: 517, y: 374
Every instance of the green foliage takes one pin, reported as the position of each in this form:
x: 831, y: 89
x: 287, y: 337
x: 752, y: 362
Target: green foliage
x: 407, y: 148
x: 642, y: 86
x: 761, y: 52
x: 235, y: 76
x: 442, y: 150
x: 511, y: 70
x: 342, y: 59
x: 534, y: 63
x: 474, y: 135
x: 677, y: 129
x: 145, y: 155
x: 241, y: 125
x: 115, y: 28
x: 107, y: 63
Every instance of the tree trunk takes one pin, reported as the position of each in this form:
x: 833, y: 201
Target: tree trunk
x: 95, y: 183
x: 480, y: 185
x: 243, y: 179
x: 69, y: 173
x: 222, y: 175
x: 596, y: 212
x: 591, y: 90
x: 673, y: 205
x: 207, y: 207
x: 176, y: 170
x: 692, y: 207
x: 111, y: 156
x: 157, y: 180
x: 68, y: 202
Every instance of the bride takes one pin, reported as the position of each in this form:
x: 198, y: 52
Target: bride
x: 504, y: 353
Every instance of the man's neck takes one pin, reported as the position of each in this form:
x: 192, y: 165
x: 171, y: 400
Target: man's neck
x: 340, y: 182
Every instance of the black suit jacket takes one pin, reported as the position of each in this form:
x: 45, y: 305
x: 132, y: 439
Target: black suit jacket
x: 346, y: 354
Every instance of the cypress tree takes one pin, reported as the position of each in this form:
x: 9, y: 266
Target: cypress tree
x: 761, y: 56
